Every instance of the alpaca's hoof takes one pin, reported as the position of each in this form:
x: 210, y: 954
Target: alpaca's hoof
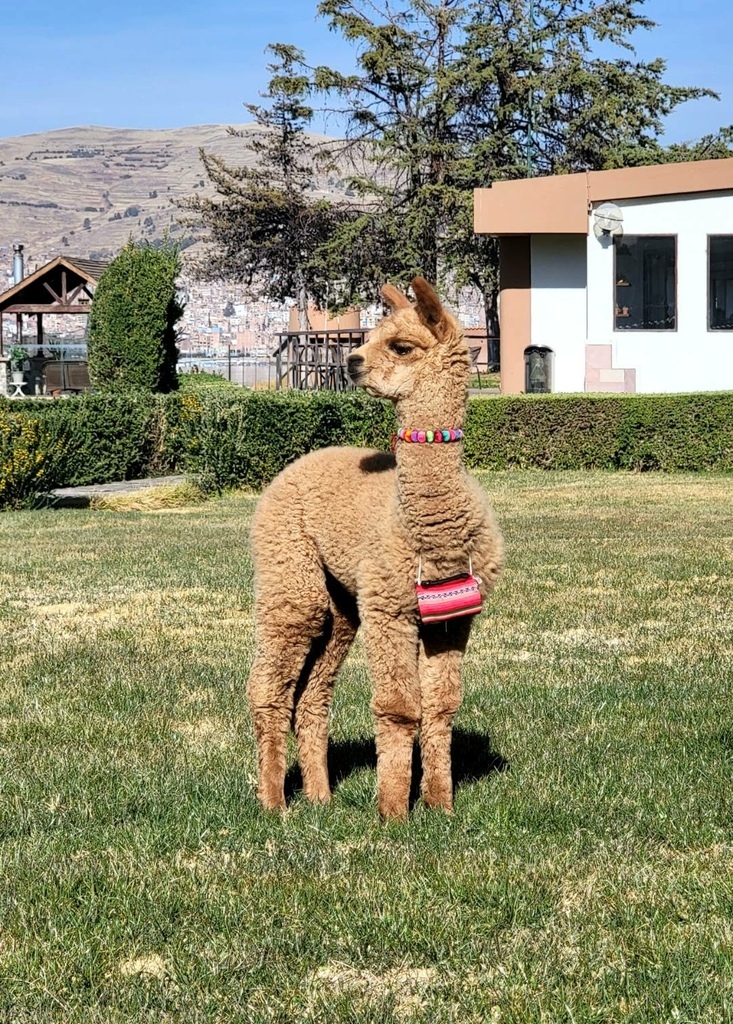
x: 393, y: 811
x: 438, y: 801
x: 320, y: 796
x: 439, y: 805
x: 436, y: 789
x: 272, y: 803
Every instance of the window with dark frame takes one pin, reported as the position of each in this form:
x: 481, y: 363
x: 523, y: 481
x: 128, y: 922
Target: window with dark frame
x: 646, y: 283
x: 720, y: 274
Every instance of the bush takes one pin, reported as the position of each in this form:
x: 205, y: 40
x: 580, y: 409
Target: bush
x: 132, y: 325
x: 110, y: 437
x: 247, y: 442
x: 31, y: 458
x: 677, y: 432
x: 204, y: 379
x: 634, y: 432
x: 234, y: 438
x: 230, y: 437
x: 549, y: 432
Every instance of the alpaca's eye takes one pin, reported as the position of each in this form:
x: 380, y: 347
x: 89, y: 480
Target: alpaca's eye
x: 400, y: 349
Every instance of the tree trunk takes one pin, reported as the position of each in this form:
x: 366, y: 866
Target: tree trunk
x: 302, y: 306
x: 491, y: 314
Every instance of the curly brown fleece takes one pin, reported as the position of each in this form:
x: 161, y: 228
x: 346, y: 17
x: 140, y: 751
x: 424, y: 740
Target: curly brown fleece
x: 336, y: 541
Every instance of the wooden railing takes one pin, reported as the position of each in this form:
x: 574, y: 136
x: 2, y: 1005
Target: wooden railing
x: 315, y: 360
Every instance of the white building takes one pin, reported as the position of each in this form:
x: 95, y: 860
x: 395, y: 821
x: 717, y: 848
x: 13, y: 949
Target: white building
x: 615, y: 280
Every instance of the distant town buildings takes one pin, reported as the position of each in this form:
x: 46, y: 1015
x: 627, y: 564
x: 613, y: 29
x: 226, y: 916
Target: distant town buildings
x: 218, y: 317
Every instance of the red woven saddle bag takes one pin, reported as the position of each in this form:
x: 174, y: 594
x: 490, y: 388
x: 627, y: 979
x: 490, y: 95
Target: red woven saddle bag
x: 448, y: 598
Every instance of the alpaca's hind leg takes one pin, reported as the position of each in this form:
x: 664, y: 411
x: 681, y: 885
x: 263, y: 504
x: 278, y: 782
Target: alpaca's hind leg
x: 271, y: 689
x: 441, y: 652
x: 291, y: 611
x: 391, y: 645
x: 313, y: 700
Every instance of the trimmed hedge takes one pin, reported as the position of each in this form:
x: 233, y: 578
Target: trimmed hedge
x: 231, y: 437
x: 108, y: 437
x: 245, y: 443
x: 633, y: 432
x: 244, y: 438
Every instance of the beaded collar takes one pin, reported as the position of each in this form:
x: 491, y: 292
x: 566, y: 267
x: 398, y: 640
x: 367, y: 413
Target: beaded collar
x: 428, y: 436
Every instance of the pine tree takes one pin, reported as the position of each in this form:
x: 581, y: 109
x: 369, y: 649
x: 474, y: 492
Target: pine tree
x: 454, y: 94
x: 264, y: 229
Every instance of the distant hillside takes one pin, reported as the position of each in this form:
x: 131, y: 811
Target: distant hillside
x: 86, y: 190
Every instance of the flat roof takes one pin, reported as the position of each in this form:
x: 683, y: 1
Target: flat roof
x: 558, y: 204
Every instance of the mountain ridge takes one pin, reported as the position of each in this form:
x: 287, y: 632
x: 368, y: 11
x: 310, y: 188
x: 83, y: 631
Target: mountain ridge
x: 87, y: 189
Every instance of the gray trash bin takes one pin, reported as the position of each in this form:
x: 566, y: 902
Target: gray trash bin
x: 538, y: 370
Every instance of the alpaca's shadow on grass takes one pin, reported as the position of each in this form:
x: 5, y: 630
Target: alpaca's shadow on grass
x: 472, y: 759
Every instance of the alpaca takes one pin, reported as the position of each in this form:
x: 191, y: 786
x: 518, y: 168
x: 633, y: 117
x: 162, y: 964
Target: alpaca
x: 337, y: 540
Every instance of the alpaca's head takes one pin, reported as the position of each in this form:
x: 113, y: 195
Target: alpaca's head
x: 415, y: 351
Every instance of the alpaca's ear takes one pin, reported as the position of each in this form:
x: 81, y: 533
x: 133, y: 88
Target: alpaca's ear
x: 394, y: 298
x: 428, y: 304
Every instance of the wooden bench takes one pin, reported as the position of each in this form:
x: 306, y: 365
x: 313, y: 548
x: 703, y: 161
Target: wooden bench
x: 66, y: 377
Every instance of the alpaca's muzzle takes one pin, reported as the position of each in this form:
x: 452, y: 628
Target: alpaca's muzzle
x: 355, y: 366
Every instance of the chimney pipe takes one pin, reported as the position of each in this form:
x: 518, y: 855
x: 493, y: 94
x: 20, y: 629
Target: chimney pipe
x: 18, y: 268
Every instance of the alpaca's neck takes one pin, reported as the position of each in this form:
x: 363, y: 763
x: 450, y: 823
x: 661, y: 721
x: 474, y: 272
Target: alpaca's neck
x: 431, y: 481
x: 440, y: 400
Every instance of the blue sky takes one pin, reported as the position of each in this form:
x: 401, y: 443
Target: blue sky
x: 167, y: 63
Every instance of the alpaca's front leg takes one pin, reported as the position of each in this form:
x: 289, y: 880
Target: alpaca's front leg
x: 391, y: 645
x: 441, y: 651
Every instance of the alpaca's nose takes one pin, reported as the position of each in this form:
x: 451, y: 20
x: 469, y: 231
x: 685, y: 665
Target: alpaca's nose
x: 355, y: 365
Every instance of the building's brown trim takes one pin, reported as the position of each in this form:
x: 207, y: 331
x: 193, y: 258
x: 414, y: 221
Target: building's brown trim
x: 559, y: 204
x: 515, y: 309
x: 559, y: 207
x: 661, y: 180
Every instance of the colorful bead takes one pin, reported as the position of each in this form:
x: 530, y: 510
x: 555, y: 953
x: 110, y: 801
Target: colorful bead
x: 429, y: 436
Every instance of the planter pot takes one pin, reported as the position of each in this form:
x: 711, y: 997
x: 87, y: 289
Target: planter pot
x: 17, y: 376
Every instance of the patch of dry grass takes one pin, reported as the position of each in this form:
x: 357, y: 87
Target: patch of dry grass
x: 165, y: 498
x: 403, y: 987
x: 153, y: 966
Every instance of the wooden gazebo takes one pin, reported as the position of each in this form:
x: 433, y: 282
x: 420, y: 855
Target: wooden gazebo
x: 64, y: 285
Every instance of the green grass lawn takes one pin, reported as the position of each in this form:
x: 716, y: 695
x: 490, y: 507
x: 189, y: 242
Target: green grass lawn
x: 586, y: 876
